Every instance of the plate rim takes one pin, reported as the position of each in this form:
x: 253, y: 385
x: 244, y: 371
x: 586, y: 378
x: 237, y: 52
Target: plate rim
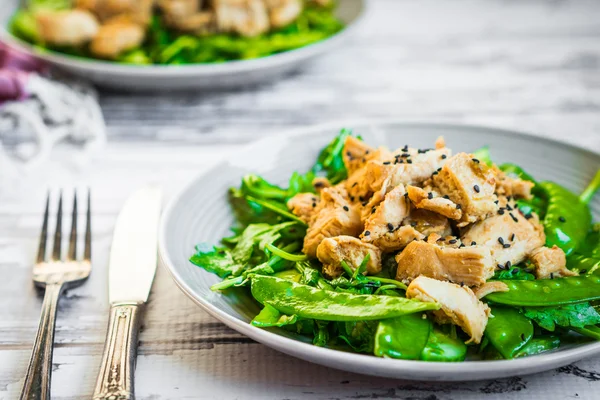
x: 384, y: 367
x: 165, y: 70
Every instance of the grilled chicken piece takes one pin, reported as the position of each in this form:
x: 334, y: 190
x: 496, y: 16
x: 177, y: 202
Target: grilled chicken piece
x: 471, y: 185
x: 432, y: 201
x: 357, y: 153
x: 471, y: 265
x: 116, y: 36
x: 303, y: 205
x: 386, y: 218
x: 408, y: 167
x: 283, y: 12
x: 428, y: 223
x: 68, y: 27
x: 490, y: 287
x: 139, y: 11
x: 550, y: 263
x: 320, y: 183
x: 515, y: 187
x: 358, y: 187
x: 185, y: 15
x: 510, y: 237
x: 334, y: 216
x: 245, y: 17
x: 458, y: 305
x: 332, y: 251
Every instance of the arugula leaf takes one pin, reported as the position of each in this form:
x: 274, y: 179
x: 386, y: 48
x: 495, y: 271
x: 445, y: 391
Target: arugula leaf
x: 269, y: 317
x: 249, y: 212
x: 331, y: 160
x: 359, y: 335
x: 572, y: 315
x: 216, y: 260
x: 515, y: 273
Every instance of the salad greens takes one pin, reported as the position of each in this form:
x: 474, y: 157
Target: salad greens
x: 370, y: 314
x: 165, y: 46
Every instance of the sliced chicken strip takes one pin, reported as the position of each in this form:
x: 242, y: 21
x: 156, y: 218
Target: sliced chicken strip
x: 550, y: 263
x: 332, y: 251
x: 471, y: 265
x: 303, y: 205
x: 432, y: 201
x: 470, y: 184
x: 67, y: 28
x: 458, y: 305
x: 334, y: 216
x: 510, y: 236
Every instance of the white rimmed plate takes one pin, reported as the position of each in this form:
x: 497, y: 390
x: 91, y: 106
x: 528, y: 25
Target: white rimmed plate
x: 200, y: 213
x: 192, y: 76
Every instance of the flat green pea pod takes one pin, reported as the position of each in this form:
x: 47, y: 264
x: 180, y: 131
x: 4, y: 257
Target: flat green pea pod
x: 270, y: 317
x: 538, y: 345
x: 403, y: 337
x: 442, y: 347
x: 514, y: 171
x: 567, y: 218
x: 305, y: 301
x: 548, y: 292
x: 591, y: 245
x: 508, y: 331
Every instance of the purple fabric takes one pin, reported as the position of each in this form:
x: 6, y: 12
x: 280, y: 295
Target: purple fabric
x: 15, y: 69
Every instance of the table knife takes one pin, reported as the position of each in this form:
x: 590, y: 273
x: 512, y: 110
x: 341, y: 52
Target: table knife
x: 131, y: 269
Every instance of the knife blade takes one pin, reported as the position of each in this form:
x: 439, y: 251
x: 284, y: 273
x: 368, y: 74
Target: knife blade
x: 132, y: 266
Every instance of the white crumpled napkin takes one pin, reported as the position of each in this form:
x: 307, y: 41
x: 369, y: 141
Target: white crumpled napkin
x: 37, y: 111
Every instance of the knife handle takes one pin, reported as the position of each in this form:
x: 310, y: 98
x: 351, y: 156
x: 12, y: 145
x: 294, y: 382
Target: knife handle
x: 115, y: 380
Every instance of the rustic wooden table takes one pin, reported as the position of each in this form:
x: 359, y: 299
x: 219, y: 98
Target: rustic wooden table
x: 532, y: 66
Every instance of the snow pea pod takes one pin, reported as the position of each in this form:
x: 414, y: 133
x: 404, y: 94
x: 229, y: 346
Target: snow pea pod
x: 443, y: 347
x: 403, y: 337
x: 305, y: 301
x: 508, y: 331
x: 548, y: 292
x: 584, y: 264
x: 538, y: 345
x: 567, y: 218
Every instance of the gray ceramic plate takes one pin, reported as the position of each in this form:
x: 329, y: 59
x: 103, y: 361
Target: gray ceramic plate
x: 196, y: 76
x: 200, y: 213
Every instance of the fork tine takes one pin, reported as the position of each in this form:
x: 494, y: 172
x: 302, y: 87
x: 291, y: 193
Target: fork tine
x: 72, y: 254
x: 41, y: 256
x: 58, y: 233
x: 87, y: 253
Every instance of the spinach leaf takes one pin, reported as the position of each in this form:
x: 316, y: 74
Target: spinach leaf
x: 572, y: 315
x: 514, y: 273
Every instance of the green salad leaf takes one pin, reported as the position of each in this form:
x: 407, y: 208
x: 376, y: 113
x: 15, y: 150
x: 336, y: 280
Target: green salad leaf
x: 572, y: 315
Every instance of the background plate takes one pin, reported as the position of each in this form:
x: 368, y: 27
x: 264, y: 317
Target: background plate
x: 200, y: 213
x: 193, y: 76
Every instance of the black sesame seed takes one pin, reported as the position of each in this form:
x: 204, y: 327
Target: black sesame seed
x: 583, y: 271
x: 452, y: 241
x: 506, y: 245
x: 476, y: 188
x: 443, y: 156
x: 500, y: 266
x: 386, y: 163
x: 354, y: 184
x: 508, y: 207
x: 351, y: 198
x: 496, y: 201
x: 414, y: 223
x: 366, y: 152
x: 409, y: 161
x: 458, y: 206
x: 513, y: 217
x: 508, y: 264
x: 434, y: 173
x: 364, y: 203
x: 349, y: 154
x: 473, y: 243
x: 367, y: 233
x: 522, y: 336
x: 430, y: 195
x: 508, y: 198
x: 440, y: 239
x: 314, y: 204
x: 406, y: 194
x: 501, y: 211
x: 528, y: 216
x: 439, y: 169
x: 500, y: 240
x: 390, y: 226
x: 447, y: 197
x: 461, y: 246
x: 562, y: 219
x: 512, y: 237
x: 551, y: 275
x: 475, y: 160
x: 360, y: 198
x: 405, y: 155
x: 346, y: 208
x: 405, y: 148
x: 373, y: 210
x: 462, y: 284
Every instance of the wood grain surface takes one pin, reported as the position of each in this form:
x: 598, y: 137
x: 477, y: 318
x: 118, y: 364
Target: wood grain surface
x: 526, y: 65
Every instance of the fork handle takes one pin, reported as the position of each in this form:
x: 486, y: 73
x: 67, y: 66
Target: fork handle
x: 115, y: 380
x: 37, y: 380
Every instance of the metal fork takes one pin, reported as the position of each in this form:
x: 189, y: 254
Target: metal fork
x: 55, y: 275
